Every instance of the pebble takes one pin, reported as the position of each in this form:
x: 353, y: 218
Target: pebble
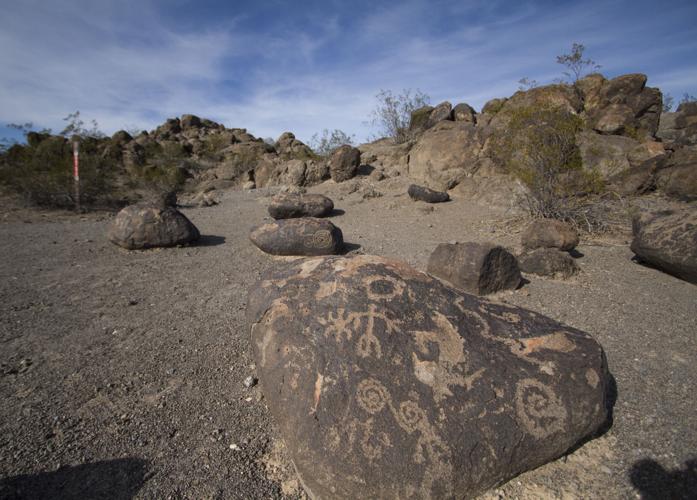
x: 250, y: 382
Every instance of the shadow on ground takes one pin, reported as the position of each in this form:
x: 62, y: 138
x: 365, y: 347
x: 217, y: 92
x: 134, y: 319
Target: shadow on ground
x: 114, y: 479
x: 653, y: 482
x: 209, y: 240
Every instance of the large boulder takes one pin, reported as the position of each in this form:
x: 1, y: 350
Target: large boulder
x: 420, y: 193
x: 548, y: 262
x: 678, y: 176
x: 419, y: 119
x: 445, y: 154
x: 290, y: 206
x: 624, y: 105
x: 305, y: 236
x: 680, y: 126
x: 478, y: 268
x: 344, y: 162
x: 386, y: 383
x: 610, y: 155
x: 149, y: 225
x: 190, y: 122
x: 667, y: 240
x: 549, y: 233
x: 443, y: 111
x: 288, y: 147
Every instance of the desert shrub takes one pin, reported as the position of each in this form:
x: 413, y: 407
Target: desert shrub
x: 213, y: 145
x: 539, y: 147
x: 327, y: 142
x: 42, y: 173
x: 392, y: 113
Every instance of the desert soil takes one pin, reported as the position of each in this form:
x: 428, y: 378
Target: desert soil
x: 121, y: 373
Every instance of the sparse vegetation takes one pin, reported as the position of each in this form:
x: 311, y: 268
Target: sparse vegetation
x: 668, y: 102
x: 539, y: 147
x: 577, y: 66
x: 526, y: 83
x: 393, y: 112
x: 327, y: 142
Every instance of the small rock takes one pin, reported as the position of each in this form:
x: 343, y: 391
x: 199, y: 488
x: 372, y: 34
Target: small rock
x: 548, y: 262
x: 250, y: 382
x: 478, y: 268
x: 549, y: 233
x: 421, y: 193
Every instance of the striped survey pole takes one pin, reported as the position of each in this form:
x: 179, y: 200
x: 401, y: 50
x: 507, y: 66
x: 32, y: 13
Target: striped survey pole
x: 76, y: 172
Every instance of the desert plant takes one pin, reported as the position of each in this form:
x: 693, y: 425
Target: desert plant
x: 327, y: 142
x: 539, y: 147
x: 526, y: 83
x: 668, y: 102
x: 577, y: 66
x: 687, y: 98
x: 76, y: 126
x: 392, y: 112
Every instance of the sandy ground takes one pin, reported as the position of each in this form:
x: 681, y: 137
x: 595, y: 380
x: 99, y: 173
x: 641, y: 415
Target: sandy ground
x: 121, y: 373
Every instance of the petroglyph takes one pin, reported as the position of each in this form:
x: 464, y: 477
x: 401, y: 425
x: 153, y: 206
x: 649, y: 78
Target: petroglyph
x: 319, y: 239
x: 383, y: 287
x: 371, y: 395
x: 450, y: 368
x: 539, y: 409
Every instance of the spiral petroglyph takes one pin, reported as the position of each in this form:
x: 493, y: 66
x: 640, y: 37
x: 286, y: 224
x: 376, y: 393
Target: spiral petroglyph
x: 319, y: 239
x: 371, y: 395
x: 539, y: 409
x: 410, y: 416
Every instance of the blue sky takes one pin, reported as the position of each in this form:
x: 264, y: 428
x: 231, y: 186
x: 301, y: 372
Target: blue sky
x: 272, y: 66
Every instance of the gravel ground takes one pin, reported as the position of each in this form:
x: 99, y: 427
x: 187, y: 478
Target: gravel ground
x: 122, y: 373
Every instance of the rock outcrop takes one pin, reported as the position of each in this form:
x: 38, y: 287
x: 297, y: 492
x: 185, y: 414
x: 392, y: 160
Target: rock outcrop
x: 386, y: 383
x: 344, y: 163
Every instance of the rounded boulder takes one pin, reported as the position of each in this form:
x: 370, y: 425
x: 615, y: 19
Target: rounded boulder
x: 290, y: 206
x: 150, y: 225
x: 304, y: 236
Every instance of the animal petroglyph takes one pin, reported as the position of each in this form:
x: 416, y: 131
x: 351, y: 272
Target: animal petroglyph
x: 450, y: 368
x: 539, y: 409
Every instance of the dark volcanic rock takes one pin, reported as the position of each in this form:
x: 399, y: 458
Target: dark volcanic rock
x: 548, y: 262
x: 549, y: 233
x: 386, y: 383
x: 668, y: 241
x: 344, y: 163
x: 478, y: 268
x: 420, y: 193
x: 289, y: 206
x: 149, y: 225
x: 306, y: 236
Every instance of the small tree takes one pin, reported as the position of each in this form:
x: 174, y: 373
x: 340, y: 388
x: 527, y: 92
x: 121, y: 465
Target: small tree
x: 326, y: 143
x: 687, y: 98
x: 76, y: 126
x: 393, y: 112
x: 577, y: 66
x: 526, y: 83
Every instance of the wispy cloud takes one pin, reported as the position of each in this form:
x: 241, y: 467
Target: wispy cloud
x: 288, y: 68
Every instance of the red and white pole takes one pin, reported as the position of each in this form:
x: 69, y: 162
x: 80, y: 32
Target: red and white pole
x: 76, y: 173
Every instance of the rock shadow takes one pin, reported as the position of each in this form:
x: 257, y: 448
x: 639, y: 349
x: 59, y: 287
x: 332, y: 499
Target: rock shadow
x: 523, y: 281
x: 114, y: 479
x: 349, y: 247
x: 209, y: 240
x: 653, y: 482
x: 337, y: 212
x: 575, y: 253
x: 365, y: 169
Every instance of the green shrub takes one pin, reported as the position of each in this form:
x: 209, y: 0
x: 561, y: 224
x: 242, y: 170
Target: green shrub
x: 539, y: 148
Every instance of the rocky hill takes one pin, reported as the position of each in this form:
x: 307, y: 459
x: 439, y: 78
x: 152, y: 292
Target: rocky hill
x: 624, y: 143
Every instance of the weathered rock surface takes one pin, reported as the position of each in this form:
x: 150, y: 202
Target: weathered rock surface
x: 420, y: 193
x: 443, y: 111
x: 548, y: 262
x: 386, y: 383
x: 418, y: 120
x: 464, y: 113
x: 668, y: 241
x: 305, y: 236
x: 149, y: 225
x: 549, y: 233
x: 444, y: 154
x: 478, y: 268
x: 344, y: 162
x: 677, y: 176
x: 289, y: 206
x: 610, y: 155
